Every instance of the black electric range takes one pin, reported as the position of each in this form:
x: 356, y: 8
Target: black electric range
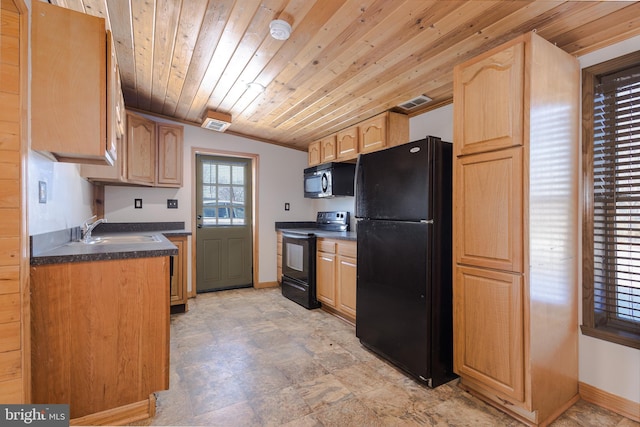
x: 299, y: 257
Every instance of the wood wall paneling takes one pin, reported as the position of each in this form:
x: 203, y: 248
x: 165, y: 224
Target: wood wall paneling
x: 14, y: 292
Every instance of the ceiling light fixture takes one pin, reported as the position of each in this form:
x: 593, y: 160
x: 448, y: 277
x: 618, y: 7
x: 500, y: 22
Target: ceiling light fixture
x: 255, y: 87
x: 280, y: 29
x: 216, y: 121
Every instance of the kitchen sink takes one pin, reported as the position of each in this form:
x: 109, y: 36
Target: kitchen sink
x: 119, y: 240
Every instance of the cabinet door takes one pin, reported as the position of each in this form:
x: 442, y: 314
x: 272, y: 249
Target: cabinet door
x: 69, y: 85
x: 488, y: 210
x: 346, y: 277
x: 373, y: 134
x: 177, y: 285
x: 488, y: 329
x: 169, y: 168
x: 314, y: 153
x: 328, y: 149
x: 141, y: 149
x: 347, y: 144
x: 346, y: 285
x: 489, y: 102
x: 326, y: 278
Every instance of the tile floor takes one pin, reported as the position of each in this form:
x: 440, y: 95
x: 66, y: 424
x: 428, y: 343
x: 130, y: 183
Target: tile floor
x: 253, y: 358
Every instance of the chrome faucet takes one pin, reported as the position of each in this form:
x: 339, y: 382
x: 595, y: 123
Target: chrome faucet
x: 88, y: 226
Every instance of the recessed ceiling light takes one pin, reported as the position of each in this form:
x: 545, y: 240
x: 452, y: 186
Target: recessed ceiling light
x: 255, y: 87
x: 280, y: 29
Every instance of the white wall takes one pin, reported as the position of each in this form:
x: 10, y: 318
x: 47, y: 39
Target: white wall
x: 68, y: 197
x: 435, y: 123
x: 279, y: 181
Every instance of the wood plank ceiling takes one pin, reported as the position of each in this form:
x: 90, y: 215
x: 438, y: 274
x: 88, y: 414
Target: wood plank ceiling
x: 344, y: 62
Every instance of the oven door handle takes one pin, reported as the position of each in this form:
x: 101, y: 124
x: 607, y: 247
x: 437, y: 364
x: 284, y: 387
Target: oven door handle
x: 297, y: 236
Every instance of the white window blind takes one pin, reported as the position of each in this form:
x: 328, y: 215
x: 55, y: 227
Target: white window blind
x: 616, y: 187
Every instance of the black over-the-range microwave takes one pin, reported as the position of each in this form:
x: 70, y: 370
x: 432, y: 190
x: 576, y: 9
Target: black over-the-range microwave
x: 329, y: 180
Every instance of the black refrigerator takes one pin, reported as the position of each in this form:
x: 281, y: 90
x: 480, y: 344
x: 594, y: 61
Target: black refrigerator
x: 404, y: 276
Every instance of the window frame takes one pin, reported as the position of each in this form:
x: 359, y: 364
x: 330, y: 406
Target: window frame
x: 607, y: 332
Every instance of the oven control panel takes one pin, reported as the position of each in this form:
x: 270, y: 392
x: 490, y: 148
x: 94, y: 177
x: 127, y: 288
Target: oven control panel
x: 333, y: 221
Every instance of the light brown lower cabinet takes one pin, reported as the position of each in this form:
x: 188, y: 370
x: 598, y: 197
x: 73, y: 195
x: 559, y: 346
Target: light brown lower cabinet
x: 100, y: 337
x: 488, y: 310
x: 178, y: 273
x: 336, y: 276
x: 346, y: 278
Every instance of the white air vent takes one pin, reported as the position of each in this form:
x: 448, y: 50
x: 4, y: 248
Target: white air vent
x: 216, y: 121
x: 415, y: 102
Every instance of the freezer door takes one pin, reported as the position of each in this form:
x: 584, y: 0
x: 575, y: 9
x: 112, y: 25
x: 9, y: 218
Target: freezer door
x: 394, y: 183
x: 393, y: 292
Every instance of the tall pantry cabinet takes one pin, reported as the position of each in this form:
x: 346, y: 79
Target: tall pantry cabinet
x: 516, y: 228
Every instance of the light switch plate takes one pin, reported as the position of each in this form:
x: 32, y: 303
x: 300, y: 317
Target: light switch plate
x: 172, y: 203
x: 137, y: 203
x: 42, y: 192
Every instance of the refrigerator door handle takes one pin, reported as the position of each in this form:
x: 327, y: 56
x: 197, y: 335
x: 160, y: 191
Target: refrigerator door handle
x: 426, y: 221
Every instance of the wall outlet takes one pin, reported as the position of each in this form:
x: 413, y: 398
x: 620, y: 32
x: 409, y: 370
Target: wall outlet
x: 137, y: 203
x: 287, y: 206
x: 172, y: 203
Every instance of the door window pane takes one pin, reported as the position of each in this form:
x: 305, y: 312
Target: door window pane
x: 223, y: 193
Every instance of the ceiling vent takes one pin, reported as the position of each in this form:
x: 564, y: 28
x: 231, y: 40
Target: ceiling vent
x: 415, y: 102
x: 216, y: 121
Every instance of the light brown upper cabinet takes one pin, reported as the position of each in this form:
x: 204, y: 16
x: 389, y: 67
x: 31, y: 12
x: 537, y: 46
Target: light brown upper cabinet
x: 150, y: 155
x: 69, y: 100
x: 170, y: 141
x: 373, y: 134
x: 116, y: 118
x: 328, y: 149
x: 314, y: 153
x: 384, y: 130
x: 515, y: 200
x: 495, y: 87
x: 141, y: 150
x: 347, y: 144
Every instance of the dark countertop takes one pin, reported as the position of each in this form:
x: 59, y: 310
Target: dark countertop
x: 306, y: 227
x: 57, y: 247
